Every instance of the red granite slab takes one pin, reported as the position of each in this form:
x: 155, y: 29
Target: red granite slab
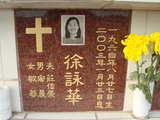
x: 98, y: 82
x: 156, y: 99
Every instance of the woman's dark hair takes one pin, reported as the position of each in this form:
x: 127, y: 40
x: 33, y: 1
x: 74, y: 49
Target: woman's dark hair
x: 67, y: 34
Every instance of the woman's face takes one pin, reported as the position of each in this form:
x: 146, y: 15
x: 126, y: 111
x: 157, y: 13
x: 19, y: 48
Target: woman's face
x: 73, y: 26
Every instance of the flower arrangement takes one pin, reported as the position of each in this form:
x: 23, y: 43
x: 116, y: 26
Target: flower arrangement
x: 135, y: 48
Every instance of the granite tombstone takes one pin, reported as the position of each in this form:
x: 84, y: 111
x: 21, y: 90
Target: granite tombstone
x: 74, y: 76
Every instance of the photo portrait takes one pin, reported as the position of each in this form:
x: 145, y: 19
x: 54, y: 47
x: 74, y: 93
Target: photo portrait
x: 72, y: 29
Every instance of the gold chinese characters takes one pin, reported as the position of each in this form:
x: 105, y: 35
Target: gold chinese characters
x: 49, y: 90
x: 73, y: 78
x: 105, y: 64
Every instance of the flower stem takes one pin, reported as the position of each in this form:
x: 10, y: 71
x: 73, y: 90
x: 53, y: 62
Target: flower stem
x: 155, y: 58
x: 138, y: 72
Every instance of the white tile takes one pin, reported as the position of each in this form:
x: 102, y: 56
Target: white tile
x: 153, y: 22
x: 8, y: 44
x: 138, y: 22
x: 130, y: 68
x: 1, y: 69
x: 128, y: 100
x: 66, y: 116
x: 18, y: 115
x: 1, y: 82
x: 113, y: 115
x: 138, y: 26
x: 154, y: 114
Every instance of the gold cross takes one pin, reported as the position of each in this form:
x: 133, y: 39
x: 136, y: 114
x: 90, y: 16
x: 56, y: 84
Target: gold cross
x: 38, y: 30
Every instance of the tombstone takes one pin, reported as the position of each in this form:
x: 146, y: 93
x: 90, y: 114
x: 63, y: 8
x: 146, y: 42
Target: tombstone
x: 61, y: 74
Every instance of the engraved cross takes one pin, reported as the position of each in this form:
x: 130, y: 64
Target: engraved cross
x: 39, y: 30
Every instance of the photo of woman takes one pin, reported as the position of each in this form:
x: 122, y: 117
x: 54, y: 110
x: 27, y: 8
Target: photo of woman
x: 72, y: 29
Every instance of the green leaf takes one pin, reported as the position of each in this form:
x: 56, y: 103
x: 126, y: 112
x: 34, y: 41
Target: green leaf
x: 132, y: 86
x: 148, y: 97
x: 139, y: 86
x: 143, y: 76
x: 143, y: 90
x: 150, y: 72
x: 133, y: 75
x: 141, y: 65
x: 158, y: 71
x: 153, y: 79
x: 144, y: 82
x: 157, y: 77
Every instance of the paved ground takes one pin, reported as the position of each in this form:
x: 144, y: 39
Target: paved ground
x: 153, y: 115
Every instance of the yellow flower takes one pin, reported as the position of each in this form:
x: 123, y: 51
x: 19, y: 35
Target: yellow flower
x: 135, y: 46
x: 155, y: 39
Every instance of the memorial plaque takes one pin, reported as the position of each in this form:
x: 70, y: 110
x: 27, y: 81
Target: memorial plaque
x: 72, y: 60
